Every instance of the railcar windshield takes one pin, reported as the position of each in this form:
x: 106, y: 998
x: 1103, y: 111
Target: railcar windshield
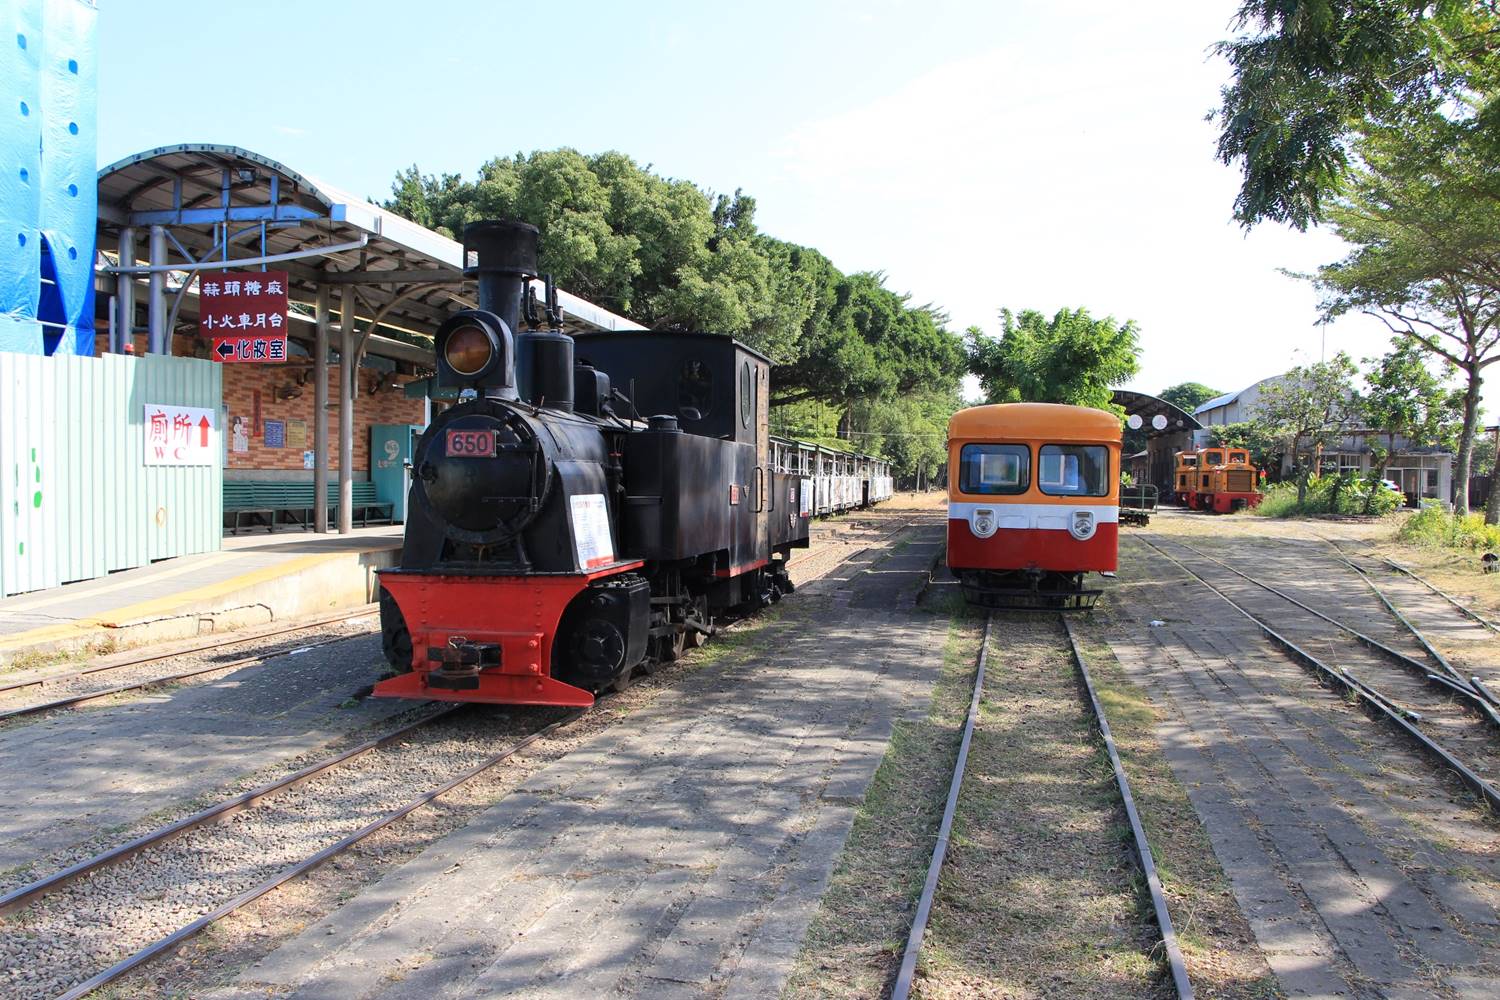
x: 1239, y: 458
x: 1073, y: 470
x: 995, y: 469
x: 1189, y: 461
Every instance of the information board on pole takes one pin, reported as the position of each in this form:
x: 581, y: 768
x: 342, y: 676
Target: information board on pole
x: 179, y: 435
x: 244, y: 313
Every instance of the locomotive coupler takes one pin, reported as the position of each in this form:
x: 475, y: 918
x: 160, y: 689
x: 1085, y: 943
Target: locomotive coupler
x: 461, y: 661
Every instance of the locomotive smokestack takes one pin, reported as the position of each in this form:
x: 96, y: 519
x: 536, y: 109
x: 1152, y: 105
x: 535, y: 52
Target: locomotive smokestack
x: 502, y: 255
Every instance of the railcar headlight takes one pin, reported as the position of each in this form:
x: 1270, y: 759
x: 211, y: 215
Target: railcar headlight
x: 468, y: 350
x: 983, y: 524
x: 1082, y: 525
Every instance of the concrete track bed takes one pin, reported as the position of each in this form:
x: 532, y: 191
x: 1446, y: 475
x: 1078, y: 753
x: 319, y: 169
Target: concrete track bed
x: 1363, y: 870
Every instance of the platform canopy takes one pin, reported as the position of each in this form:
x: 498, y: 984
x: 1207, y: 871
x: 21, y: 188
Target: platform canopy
x: 225, y: 205
x: 1173, y: 418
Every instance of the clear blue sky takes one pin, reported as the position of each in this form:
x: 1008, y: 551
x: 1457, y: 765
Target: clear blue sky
x: 1023, y: 154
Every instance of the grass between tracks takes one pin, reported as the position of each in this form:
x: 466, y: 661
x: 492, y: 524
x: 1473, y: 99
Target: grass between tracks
x: 1038, y: 897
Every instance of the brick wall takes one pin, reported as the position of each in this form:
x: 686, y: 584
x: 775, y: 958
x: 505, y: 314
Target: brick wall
x: 242, y: 382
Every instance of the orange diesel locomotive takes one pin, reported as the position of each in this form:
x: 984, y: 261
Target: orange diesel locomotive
x: 1222, y: 480
x: 1033, y: 503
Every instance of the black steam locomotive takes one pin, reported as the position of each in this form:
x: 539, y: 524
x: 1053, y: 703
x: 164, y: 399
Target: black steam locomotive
x: 594, y: 506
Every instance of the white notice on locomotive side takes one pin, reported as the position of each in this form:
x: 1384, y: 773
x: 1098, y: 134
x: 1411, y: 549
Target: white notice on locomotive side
x: 591, y: 531
x: 807, y: 498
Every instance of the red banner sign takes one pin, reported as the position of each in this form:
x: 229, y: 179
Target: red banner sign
x: 252, y: 348
x: 245, y: 314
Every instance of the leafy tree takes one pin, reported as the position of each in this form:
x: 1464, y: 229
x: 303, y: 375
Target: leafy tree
x: 1311, y: 76
x: 1404, y: 398
x: 1426, y: 261
x: 1307, y: 408
x: 671, y: 255
x: 1188, y: 395
x: 910, y: 430
x: 1265, y: 447
x: 1071, y: 358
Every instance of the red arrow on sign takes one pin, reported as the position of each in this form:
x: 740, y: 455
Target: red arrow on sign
x: 203, y: 426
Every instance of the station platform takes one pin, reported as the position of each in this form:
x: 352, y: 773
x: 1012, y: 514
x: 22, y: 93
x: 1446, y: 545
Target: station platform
x: 252, y: 580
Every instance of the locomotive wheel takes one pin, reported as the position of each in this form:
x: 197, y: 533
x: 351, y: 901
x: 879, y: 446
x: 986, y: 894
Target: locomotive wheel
x: 622, y: 682
x: 395, y: 637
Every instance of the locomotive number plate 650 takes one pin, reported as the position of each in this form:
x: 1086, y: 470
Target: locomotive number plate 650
x: 471, y: 444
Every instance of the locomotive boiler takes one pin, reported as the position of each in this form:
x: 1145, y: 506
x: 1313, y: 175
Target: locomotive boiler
x: 590, y: 506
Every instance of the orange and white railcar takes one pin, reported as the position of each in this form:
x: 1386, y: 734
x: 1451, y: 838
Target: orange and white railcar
x: 1033, y: 503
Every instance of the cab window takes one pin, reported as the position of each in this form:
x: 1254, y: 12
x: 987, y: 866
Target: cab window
x: 695, y: 390
x: 994, y: 469
x: 1239, y: 458
x: 1073, y: 470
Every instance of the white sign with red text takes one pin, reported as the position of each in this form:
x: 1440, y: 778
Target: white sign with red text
x: 179, y: 435
x: 591, y: 536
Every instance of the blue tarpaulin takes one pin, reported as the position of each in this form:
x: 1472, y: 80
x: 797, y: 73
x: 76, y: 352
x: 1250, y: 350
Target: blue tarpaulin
x: 48, y: 187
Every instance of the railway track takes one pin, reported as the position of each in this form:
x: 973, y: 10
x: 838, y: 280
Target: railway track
x: 86, y: 898
x: 1450, y: 680
x: 1464, y: 749
x: 1461, y: 607
x: 159, y: 856
x: 901, y: 990
x: 74, y: 677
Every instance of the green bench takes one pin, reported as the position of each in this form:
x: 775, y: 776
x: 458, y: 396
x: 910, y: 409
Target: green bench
x: 272, y: 503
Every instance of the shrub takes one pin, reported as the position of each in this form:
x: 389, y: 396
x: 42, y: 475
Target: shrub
x: 1436, y: 528
x: 1280, y: 500
x: 1343, y: 494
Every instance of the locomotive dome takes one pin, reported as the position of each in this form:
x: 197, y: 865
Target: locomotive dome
x: 1052, y: 421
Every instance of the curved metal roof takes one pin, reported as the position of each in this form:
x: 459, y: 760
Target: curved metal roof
x: 1148, y: 407
x: 411, y: 275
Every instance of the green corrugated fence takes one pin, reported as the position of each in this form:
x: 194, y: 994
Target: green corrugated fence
x: 77, y: 497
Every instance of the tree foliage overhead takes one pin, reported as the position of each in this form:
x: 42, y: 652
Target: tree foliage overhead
x: 1071, y: 358
x: 1311, y: 76
x: 670, y: 255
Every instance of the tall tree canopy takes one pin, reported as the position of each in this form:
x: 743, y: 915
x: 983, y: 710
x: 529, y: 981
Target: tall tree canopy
x: 672, y: 256
x: 1188, y: 395
x: 1311, y: 76
x: 1071, y: 358
x: 1425, y: 258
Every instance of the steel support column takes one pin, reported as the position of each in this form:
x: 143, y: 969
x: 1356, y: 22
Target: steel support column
x: 159, y: 340
x: 347, y: 373
x: 320, y: 411
x: 124, y: 328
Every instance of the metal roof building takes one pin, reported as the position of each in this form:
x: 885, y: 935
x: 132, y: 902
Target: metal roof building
x: 201, y: 206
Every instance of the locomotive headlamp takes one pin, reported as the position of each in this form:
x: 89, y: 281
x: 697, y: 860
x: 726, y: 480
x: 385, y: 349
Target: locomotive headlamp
x: 474, y: 348
x: 468, y: 350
